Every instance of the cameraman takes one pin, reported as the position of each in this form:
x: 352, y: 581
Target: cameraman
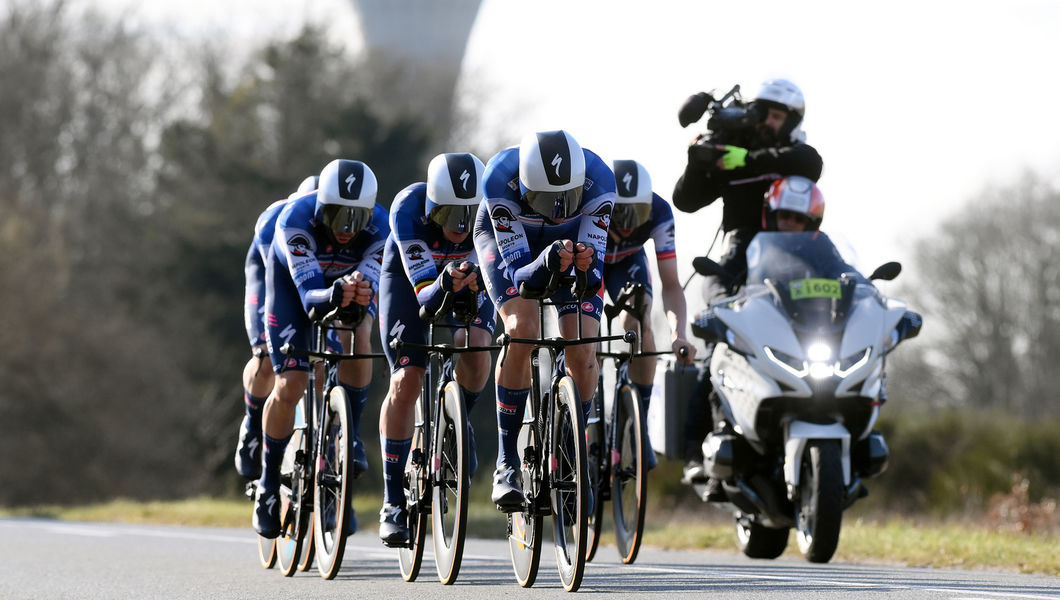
x: 739, y: 159
x: 747, y: 148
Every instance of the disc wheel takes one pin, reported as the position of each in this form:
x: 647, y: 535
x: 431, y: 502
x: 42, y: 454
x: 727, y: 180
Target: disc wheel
x: 569, y: 485
x: 449, y: 495
x: 596, y: 452
x: 267, y: 552
x: 417, y: 499
x: 819, y: 508
x: 629, y: 473
x: 295, y: 503
x: 334, y: 477
x: 524, y: 528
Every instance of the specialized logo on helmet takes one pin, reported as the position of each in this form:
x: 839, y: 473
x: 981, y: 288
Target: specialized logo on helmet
x: 602, y: 216
x: 502, y: 219
x: 555, y: 152
x: 462, y: 174
x: 626, y: 173
x: 299, y: 245
x: 463, y: 178
x: 352, y: 174
x: 415, y: 252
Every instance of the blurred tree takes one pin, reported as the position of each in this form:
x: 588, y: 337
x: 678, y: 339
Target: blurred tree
x: 989, y: 287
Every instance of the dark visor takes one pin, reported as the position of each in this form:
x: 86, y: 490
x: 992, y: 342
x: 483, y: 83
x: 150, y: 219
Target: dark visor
x: 630, y: 216
x: 454, y: 218
x: 555, y: 205
x: 346, y: 219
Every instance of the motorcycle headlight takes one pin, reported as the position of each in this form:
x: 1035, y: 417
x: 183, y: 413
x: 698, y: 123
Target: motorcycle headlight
x: 822, y: 370
x: 795, y: 366
x: 853, y: 362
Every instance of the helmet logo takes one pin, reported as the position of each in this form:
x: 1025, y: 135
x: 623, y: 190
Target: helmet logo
x: 628, y: 179
x: 557, y: 160
x: 464, y: 178
x: 349, y: 184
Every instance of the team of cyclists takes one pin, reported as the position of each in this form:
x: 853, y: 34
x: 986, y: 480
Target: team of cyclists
x: 544, y: 207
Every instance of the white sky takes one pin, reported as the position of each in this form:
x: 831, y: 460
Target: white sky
x: 914, y: 105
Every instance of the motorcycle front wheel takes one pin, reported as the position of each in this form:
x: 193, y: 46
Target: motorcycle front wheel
x: 819, y: 508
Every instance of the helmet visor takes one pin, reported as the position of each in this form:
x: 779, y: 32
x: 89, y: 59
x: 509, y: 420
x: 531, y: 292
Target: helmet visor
x: 346, y: 219
x: 454, y: 218
x: 630, y: 216
x: 555, y: 205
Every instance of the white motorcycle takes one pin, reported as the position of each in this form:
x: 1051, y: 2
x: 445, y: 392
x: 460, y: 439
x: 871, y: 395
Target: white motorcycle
x: 798, y: 372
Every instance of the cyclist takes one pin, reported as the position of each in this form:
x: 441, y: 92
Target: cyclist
x: 641, y: 214
x: 326, y: 253
x: 257, y: 374
x: 429, y: 252
x: 547, y: 209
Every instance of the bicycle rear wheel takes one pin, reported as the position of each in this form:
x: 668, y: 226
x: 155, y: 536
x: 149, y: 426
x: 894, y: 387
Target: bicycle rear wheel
x: 598, y: 469
x: 417, y: 500
x: 570, y: 484
x: 629, y: 474
x: 295, y: 509
x: 524, y: 528
x: 450, y: 493
x: 267, y: 552
x: 333, y: 493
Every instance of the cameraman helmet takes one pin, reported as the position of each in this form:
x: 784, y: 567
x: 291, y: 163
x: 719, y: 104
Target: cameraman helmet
x: 308, y: 185
x: 552, y: 173
x: 454, y: 190
x: 793, y: 194
x: 785, y: 95
x: 346, y: 197
x: 633, y: 201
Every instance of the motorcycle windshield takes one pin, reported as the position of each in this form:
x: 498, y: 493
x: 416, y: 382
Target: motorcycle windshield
x: 807, y: 275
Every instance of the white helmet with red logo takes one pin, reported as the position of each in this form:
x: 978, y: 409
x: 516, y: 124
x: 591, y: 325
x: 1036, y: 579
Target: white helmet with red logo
x: 794, y: 194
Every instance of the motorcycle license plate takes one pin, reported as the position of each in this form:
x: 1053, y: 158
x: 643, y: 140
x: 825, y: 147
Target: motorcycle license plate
x: 815, y: 288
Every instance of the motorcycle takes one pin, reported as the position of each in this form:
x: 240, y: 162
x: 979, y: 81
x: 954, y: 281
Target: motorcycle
x: 798, y: 370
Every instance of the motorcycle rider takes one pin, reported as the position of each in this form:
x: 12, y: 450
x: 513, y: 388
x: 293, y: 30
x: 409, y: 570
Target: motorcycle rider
x: 640, y: 214
x: 792, y: 204
x: 741, y: 177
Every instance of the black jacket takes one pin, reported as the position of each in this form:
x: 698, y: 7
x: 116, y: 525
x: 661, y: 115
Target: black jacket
x: 743, y: 189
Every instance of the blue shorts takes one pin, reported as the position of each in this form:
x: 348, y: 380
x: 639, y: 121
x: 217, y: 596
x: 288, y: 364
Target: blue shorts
x: 254, y: 298
x: 399, y: 313
x: 286, y: 321
x: 501, y: 288
x: 631, y: 269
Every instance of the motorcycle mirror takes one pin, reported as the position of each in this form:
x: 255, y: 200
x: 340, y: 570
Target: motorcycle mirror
x: 705, y: 266
x: 887, y: 271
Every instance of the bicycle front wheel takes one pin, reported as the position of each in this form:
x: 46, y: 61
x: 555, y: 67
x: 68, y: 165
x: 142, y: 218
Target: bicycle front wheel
x: 333, y: 493
x: 570, y: 484
x: 629, y: 474
x: 450, y: 494
x: 417, y: 488
x: 267, y: 552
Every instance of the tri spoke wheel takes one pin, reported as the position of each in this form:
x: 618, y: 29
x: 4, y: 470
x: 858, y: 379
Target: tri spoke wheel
x: 452, y: 482
x: 570, y: 485
x: 629, y: 473
x: 334, y: 477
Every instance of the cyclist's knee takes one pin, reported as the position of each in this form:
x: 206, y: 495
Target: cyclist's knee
x: 290, y: 385
x: 405, y: 385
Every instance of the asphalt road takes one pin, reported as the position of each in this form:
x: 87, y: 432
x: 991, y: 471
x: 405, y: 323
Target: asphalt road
x: 53, y: 559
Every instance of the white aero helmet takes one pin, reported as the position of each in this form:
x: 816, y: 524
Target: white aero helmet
x: 346, y: 196
x: 308, y: 185
x: 634, y: 198
x: 454, y: 190
x: 552, y: 173
x: 785, y: 95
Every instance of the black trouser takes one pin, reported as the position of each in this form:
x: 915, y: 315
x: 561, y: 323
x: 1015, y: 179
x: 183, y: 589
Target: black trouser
x: 704, y: 410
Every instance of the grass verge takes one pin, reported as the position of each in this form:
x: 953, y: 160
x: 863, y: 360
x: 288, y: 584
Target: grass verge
x: 902, y: 541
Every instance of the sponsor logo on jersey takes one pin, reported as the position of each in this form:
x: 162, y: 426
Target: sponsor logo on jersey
x: 512, y: 291
x: 587, y: 306
x: 415, y: 252
x: 502, y: 219
x: 404, y: 361
x: 299, y: 245
x: 602, y: 216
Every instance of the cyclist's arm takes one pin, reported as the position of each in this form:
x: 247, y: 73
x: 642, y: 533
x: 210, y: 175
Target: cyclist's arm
x: 596, y: 214
x: 293, y: 249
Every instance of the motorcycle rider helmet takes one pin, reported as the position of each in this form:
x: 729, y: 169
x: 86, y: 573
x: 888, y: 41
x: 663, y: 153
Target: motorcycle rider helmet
x: 785, y: 95
x: 308, y: 185
x: 793, y: 194
x: 454, y: 190
x: 346, y: 198
x: 552, y: 173
x: 633, y: 201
